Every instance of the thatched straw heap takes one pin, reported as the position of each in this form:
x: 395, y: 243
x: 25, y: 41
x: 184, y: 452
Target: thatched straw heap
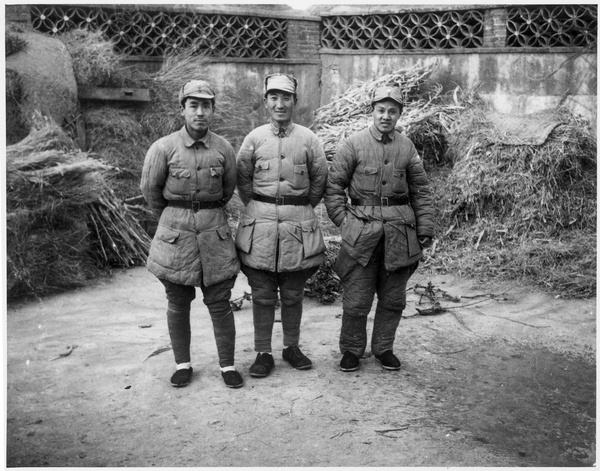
x: 64, y: 224
x: 516, y: 210
x: 422, y: 120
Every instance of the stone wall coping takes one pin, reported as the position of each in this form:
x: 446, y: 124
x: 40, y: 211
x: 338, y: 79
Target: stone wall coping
x: 365, y: 10
x: 266, y: 11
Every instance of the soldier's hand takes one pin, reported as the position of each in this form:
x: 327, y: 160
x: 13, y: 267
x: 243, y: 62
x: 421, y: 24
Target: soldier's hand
x: 425, y: 241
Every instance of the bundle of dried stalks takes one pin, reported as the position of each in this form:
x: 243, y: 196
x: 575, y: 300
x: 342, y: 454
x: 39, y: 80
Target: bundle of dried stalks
x: 95, y: 61
x: 520, y: 212
x: 63, y: 222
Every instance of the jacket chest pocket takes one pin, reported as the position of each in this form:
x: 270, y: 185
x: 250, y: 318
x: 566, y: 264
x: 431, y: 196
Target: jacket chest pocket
x: 215, y: 179
x: 301, y: 176
x: 366, y: 178
x: 179, y: 180
x: 261, y: 171
x: 400, y: 185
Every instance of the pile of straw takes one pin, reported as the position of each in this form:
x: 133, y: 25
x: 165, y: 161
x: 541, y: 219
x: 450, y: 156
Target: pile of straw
x: 424, y: 120
x: 64, y: 224
x: 520, y: 212
x: 95, y: 61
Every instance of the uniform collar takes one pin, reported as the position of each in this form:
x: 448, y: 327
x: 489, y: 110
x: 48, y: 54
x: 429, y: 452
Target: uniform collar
x: 378, y: 135
x: 189, y: 141
x: 287, y: 129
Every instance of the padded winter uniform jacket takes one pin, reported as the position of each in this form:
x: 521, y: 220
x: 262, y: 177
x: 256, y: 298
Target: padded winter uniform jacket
x: 190, y: 247
x: 280, y: 238
x: 368, y: 168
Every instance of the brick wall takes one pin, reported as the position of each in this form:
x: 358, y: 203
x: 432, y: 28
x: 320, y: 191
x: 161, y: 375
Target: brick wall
x: 304, y: 39
x: 495, y: 28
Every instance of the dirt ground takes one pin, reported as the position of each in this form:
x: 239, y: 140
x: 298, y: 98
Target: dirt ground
x: 508, y: 381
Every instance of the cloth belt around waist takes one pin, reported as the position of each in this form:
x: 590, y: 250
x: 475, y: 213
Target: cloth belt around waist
x: 381, y: 201
x: 282, y: 200
x: 195, y: 205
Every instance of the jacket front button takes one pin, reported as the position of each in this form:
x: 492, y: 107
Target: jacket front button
x: 282, y: 179
x: 383, y: 182
x: 198, y: 168
x: 197, y: 191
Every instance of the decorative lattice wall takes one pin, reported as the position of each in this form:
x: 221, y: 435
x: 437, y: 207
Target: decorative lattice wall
x: 552, y: 26
x: 156, y: 33
x: 441, y: 30
x: 146, y: 33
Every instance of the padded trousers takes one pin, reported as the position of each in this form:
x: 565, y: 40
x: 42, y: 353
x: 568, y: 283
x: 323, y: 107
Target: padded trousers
x: 360, y: 284
x: 216, y: 299
x: 264, y: 286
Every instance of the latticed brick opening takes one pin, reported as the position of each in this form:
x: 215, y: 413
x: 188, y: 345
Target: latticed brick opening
x: 440, y: 30
x: 147, y: 33
x: 552, y: 26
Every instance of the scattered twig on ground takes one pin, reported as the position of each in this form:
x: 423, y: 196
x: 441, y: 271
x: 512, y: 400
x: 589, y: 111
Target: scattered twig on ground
x: 158, y: 351
x: 444, y: 353
x: 70, y: 349
x: 518, y: 322
x: 340, y: 434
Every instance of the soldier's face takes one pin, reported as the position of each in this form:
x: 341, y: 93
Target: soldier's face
x: 198, y: 114
x: 280, y: 106
x: 385, y: 115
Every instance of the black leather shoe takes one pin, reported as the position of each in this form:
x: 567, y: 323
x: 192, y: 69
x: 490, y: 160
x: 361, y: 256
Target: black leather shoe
x: 296, y: 358
x: 182, y: 377
x: 388, y: 360
x: 232, y: 379
x: 349, y: 362
x: 262, y: 366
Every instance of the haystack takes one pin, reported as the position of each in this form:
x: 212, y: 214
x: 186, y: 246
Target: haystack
x: 521, y: 200
x: 64, y: 224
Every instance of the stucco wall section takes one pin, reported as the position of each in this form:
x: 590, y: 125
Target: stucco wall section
x: 517, y: 83
x: 249, y: 77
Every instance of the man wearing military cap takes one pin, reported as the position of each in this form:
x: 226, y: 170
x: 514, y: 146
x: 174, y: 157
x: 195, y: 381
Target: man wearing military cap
x: 281, y: 177
x: 187, y: 179
x: 386, y: 223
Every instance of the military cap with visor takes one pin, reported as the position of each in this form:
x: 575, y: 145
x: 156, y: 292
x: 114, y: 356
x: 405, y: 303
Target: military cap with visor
x: 281, y: 82
x: 387, y: 93
x: 200, y: 89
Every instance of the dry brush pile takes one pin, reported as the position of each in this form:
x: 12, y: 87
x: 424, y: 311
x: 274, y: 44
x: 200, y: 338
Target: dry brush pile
x: 520, y: 211
x: 64, y: 224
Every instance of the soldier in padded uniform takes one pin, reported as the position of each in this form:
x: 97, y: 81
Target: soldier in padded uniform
x: 385, y: 224
x: 187, y: 179
x: 282, y: 172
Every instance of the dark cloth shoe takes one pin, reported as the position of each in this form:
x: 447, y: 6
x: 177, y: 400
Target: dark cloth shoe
x: 262, y: 366
x: 232, y: 379
x: 296, y: 358
x: 349, y: 362
x: 388, y: 360
x: 182, y: 377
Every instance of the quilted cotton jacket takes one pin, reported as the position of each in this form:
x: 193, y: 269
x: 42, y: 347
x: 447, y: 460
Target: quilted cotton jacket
x: 190, y: 248
x: 365, y: 167
x: 280, y: 238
